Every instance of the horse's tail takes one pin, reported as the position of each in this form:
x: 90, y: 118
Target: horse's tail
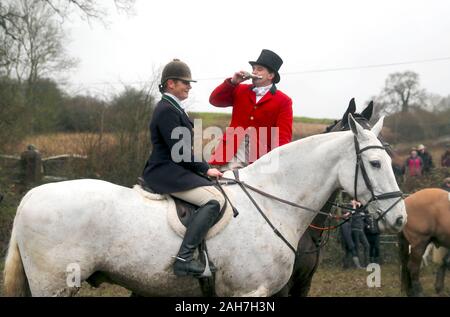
x: 15, y: 280
x: 404, y: 257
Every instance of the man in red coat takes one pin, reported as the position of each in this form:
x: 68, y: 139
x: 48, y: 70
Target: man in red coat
x: 262, y: 115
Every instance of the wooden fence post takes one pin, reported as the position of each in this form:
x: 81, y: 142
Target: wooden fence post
x: 31, y: 163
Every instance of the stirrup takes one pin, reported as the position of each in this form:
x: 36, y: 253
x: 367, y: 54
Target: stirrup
x: 208, y: 270
x: 184, y: 269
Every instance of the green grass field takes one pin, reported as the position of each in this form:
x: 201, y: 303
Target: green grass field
x: 210, y: 118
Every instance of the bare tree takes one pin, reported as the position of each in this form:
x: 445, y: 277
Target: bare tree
x: 401, y: 92
x: 440, y: 104
x: 37, y: 49
x: 8, y: 56
x: 8, y: 17
x: 31, y: 36
x: 88, y: 9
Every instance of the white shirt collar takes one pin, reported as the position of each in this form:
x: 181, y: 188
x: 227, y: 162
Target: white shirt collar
x: 261, y: 91
x: 183, y: 106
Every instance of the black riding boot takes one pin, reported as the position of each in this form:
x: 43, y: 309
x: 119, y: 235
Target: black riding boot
x: 196, y: 231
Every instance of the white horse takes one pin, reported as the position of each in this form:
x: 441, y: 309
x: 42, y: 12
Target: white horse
x: 101, y: 227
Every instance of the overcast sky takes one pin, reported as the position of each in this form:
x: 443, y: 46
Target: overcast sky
x: 217, y: 38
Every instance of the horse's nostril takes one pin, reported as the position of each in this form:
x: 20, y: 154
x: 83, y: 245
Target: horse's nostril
x: 399, y: 221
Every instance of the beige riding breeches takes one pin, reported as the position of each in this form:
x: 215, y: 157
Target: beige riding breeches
x: 201, y: 195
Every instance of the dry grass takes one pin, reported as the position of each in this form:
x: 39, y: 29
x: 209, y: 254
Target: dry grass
x: 337, y: 282
x: 79, y: 143
x: 303, y: 130
x: 63, y: 143
x: 331, y: 282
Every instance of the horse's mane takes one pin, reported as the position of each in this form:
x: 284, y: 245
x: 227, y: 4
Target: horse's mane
x: 341, y: 125
x: 300, y: 145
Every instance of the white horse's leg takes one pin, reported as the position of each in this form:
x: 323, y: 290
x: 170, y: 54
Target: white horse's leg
x: 53, y: 278
x: 46, y: 284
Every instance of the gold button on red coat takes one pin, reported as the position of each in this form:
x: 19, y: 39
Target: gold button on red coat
x: 251, y: 118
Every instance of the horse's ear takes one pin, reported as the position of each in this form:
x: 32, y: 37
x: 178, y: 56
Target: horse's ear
x: 351, y: 109
x: 354, y: 126
x: 378, y: 126
x: 367, y: 113
x: 352, y: 106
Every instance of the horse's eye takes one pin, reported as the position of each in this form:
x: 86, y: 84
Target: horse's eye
x: 376, y: 164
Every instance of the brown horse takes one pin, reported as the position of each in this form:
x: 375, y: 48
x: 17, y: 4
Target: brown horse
x: 428, y: 222
x: 308, y: 249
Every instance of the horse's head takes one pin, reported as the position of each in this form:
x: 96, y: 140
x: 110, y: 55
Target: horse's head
x: 369, y: 177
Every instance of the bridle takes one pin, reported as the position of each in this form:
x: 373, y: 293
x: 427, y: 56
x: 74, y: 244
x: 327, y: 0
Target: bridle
x: 360, y: 166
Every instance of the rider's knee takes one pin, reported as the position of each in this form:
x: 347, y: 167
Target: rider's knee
x: 217, y: 206
x: 218, y: 197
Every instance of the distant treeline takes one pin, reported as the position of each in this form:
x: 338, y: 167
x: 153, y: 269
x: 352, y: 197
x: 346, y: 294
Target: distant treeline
x: 418, y: 124
x: 43, y: 108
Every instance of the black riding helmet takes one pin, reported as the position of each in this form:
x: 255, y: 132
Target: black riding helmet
x: 176, y: 69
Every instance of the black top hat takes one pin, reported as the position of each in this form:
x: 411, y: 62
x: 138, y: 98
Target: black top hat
x: 271, y: 60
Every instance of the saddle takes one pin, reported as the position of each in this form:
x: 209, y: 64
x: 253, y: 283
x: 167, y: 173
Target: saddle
x: 185, y: 210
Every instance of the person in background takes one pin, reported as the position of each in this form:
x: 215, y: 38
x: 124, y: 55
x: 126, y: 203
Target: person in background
x: 445, y: 159
x: 413, y: 164
x: 372, y: 232
x: 446, y: 184
x: 358, y: 236
x: 426, y: 157
x: 350, y: 259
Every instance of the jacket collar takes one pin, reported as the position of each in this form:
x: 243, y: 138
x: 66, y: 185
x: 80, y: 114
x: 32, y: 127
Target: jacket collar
x: 266, y: 97
x: 272, y: 90
x: 173, y: 103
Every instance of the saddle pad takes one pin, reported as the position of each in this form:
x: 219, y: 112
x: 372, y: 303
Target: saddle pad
x: 148, y: 195
x: 175, y: 222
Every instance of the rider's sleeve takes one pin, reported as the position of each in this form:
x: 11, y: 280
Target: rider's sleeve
x: 223, y: 95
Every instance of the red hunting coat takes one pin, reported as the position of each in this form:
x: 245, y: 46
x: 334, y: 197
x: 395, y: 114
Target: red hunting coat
x: 274, y: 110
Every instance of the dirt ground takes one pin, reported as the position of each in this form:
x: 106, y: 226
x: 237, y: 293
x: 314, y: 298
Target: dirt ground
x: 327, y: 282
